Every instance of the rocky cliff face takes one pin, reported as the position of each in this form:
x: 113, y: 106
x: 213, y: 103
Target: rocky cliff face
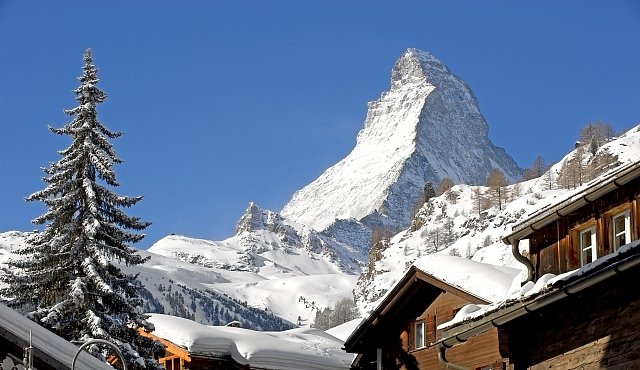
x: 426, y: 127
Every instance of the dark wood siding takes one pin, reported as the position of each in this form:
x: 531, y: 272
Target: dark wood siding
x: 597, y: 329
x: 481, y: 350
x: 635, y: 215
x: 198, y: 363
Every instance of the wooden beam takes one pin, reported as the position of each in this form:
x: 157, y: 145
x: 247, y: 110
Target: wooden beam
x: 176, y: 350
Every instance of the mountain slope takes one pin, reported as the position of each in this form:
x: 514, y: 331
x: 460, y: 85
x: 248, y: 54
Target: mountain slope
x: 453, y: 224
x: 217, y: 295
x: 408, y: 138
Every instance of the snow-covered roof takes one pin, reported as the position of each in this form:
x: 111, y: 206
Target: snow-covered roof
x: 343, y: 331
x: 300, y: 348
x: 57, y: 349
x: 474, y: 319
x: 427, y: 277
x: 489, y: 282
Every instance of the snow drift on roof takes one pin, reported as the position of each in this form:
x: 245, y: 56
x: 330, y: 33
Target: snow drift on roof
x: 300, y: 348
x: 343, y: 331
x: 46, y: 342
x: 489, y: 282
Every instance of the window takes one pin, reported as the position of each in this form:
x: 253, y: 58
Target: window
x: 621, y: 229
x: 419, y: 334
x: 588, y: 250
x: 171, y: 363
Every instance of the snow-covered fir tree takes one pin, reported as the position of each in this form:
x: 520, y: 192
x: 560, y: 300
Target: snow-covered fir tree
x: 67, y: 281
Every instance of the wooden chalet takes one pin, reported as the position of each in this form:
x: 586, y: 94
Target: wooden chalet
x: 50, y: 352
x: 401, y: 331
x: 588, y: 317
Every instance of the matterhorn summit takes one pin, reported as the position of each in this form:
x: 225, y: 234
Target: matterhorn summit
x: 426, y: 127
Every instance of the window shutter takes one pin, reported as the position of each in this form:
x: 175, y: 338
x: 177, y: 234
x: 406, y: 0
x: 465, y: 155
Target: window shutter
x: 430, y: 329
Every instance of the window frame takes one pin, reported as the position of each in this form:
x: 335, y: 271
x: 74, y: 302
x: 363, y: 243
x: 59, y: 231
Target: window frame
x: 593, y: 247
x: 416, y: 332
x: 627, y: 228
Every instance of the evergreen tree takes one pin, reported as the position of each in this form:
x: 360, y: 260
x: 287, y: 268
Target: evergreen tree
x: 427, y: 193
x: 67, y: 280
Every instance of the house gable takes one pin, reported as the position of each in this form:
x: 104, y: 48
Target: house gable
x: 404, y: 326
x: 408, y: 299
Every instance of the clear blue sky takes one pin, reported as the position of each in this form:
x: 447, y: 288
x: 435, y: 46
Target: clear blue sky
x: 223, y: 103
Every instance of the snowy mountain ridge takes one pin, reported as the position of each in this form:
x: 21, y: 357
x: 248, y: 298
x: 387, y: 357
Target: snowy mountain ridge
x: 407, y: 139
x: 269, y: 284
x: 266, y: 244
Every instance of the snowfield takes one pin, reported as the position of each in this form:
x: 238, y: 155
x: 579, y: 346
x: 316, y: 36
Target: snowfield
x: 285, y: 295
x: 288, y: 283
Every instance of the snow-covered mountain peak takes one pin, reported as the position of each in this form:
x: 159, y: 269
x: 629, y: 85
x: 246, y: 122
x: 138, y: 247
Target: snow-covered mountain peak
x: 409, y: 69
x: 426, y: 127
x: 416, y: 66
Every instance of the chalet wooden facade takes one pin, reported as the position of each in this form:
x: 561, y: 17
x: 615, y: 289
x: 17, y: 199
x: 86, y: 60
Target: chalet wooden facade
x: 421, y: 335
x: 595, y: 329
x: 588, y: 225
x: 401, y: 332
x: 588, y: 317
